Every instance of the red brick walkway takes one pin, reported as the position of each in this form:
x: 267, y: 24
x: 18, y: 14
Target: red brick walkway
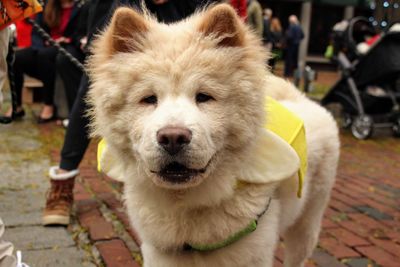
x: 361, y: 227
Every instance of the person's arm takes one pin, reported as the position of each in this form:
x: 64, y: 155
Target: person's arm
x: 37, y: 40
x: 259, y: 20
x: 301, y: 33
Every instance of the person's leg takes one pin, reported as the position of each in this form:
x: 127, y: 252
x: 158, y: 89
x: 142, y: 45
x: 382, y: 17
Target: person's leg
x: 24, y: 63
x: 46, y: 67
x: 70, y: 74
x: 289, y: 63
x: 4, y: 42
x: 76, y: 141
x: 77, y: 135
x: 295, y: 57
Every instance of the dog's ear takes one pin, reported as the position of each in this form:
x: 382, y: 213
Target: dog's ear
x: 222, y: 22
x: 126, y: 29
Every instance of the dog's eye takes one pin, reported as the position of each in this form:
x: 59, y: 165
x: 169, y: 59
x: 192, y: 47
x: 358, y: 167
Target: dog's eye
x: 149, y: 100
x: 201, y: 98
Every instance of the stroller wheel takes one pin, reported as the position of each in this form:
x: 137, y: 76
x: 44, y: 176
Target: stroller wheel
x: 396, y: 128
x: 362, y: 127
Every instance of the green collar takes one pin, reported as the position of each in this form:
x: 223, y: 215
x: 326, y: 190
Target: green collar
x: 251, y: 227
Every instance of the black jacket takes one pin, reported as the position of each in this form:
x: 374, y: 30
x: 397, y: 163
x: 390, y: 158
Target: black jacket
x: 175, y: 10
x: 101, y: 11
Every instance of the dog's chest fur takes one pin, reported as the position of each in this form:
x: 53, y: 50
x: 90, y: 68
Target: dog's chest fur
x: 166, y: 230
x: 201, y: 225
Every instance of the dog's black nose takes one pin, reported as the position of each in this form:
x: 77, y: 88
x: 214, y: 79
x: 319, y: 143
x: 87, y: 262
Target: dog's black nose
x: 173, y: 139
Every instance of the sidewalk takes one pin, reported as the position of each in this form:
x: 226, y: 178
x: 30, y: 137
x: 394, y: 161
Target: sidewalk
x: 361, y: 227
x: 23, y: 164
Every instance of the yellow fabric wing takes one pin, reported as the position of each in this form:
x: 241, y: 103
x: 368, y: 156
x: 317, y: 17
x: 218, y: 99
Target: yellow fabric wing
x: 290, y: 128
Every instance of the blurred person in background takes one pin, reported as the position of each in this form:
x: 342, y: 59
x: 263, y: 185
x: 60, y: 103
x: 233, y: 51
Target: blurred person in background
x: 38, y: 60
x: 255, y: 17
x: 293, y: 36
x: 276, y: 38
x: 266, y: 26
x: 7, y: 257
x: 267, y: 39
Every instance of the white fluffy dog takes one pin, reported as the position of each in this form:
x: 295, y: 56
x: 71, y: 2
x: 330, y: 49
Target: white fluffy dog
x: 181, y: 108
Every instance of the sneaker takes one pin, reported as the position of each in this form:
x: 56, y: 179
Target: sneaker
x: 59, y: 202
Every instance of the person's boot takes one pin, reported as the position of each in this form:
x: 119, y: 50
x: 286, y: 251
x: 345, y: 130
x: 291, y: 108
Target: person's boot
x: 59, y: 198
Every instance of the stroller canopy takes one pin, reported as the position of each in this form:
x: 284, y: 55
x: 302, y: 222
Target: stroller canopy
x: 381, y: 62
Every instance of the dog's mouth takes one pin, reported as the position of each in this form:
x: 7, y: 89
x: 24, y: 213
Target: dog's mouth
x: 178, y: 173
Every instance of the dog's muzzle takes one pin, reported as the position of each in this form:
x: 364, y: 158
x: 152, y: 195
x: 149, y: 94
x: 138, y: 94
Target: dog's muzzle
x: 173, y: 141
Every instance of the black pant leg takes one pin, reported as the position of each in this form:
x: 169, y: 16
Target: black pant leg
x: 70, y: 74
x: 24, y: 63
x: 76, y: 138
x: 290, y: 61
x: 296, y: 57
x: 46, y: 67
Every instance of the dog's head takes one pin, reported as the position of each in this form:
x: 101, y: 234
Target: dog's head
x: 178, y: 99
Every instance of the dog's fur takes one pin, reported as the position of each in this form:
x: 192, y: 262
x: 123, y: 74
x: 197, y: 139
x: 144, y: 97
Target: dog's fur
x: 213, y: 53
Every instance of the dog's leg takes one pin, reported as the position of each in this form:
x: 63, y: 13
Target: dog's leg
x: 151, y: 257
x: 266, y: 262
x: 301, y: 238
x: 264, y: 245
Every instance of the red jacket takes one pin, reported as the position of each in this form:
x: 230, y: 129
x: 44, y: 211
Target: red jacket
x: 241, y: 7
x: 24, y: 31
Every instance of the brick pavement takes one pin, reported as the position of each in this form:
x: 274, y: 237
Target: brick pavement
x: 361, y: 227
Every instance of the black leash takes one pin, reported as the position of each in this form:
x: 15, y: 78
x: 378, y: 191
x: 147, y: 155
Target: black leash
x: 52, y: 42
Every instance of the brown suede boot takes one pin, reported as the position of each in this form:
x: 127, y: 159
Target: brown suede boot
x: 59, y: 202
